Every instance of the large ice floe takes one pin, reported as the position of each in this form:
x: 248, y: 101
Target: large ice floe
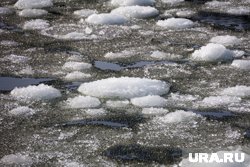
x: 226, y: 40
x: 37, y: 24
x: 239, y: 90
x: 213, y: 53
x: 149, y: 101
x: 40, y: 92
x: 132, y: 2
x: 124, y: 87
x: 139, y: 12
x: 30, y: 4
x: 32, y: 13
x: 241, y: 64
x: 106, y: 18
x: 175, y: 23
x: 83, y: 102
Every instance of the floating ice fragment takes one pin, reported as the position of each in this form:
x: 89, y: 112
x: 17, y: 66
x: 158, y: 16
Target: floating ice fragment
x: 83, y: 102
x: 175, y: 23
x: 226, y: 40
x: 172, y: 2
x: 117, y: 103
x: 154, y: 111
x: 76, y: 76
x: 76, y: 66
x: 241, y: 64
x: 96, y: 112
x: 32, y: 13
x: 220, y: 100
x: 37, y: 24
x: 149, y: 101
x: 29, y: 4
x: 16, y: 159
x: 84, y: 12
x: 132, y: 2
x: 5, y: 11
x: 239, y: 90
x: 214, y: 4
x: 106, y: 18
x: 123, y: 54
x: 242, y: 10
x: 16, y: 58
x: 23, y: 110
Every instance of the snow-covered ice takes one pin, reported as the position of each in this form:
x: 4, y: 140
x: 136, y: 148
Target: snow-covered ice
x: 220, y: 100
x: 124, y: 87
x: 185, y: 13
x: 139, y: 12
x: 76, y: 76
x: 154, y: 111
x: 117, y: 103
x: 241, y: 64
x: 37, y: 24
x: 106, y: 18
x: 31, y: 4
x: 40, y: 92
x: 76, y: 66
x: 226, y: 40
x: 175, y: 23
x: 83, y: 102
x: 32, y: 13
x: 213, y: 53
x: 132, y: 2
x: 149, y: 101
x: 22, y: 111
x: 84, y: 12
x: 16, y: 159
x: 239, y: 90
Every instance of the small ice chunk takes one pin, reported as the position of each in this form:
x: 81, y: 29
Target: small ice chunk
x: 17, y: 58
x: 22, y: 111
x: 30, y: 4
x: 214, y: 4
x: 220, y: 100
x: 213, y: 53
x: 176, y: 117
x: 96, y: 112
x: 241, y: 64
x: 26, y: 71
x: 37, y: 24
x: 242, y: 10
x: 32, y: 13
x: 106, y: 18
x: 8, y: 43
x: 5, y: 11
x: 175, y: 23
x: 117, y: 103
x: 185, y: 13
x: 118, y: 55
x: 172, y: 2
x: 76, y: 76
x: 162, y: 55
x: 40, y: 92
x: 16, y: 159
x: 84, y: 12
x: 226, y: 40
x: 132, y: 2
x: 139, y: 12
x: 149, y: 101
x: 239, y: 90
x: 124, y: 87
x: 76, y: 66
x: 83, y: 102
x: 154, y: 111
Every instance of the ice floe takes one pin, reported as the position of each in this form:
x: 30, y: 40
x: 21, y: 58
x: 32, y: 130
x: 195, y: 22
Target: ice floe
x: 239, y: 90
x: 149, y: 101
x: 185, y: 13
x: 76, y: 66
x: 124, y: 87
x: 241, y: 10
x: 241, y: 64
x: 83, y: 102
x: 106, y: 18
x: 76, y: 76
x: 119, y: 55
x: 5, y: 11
x: 84, y: 12
x: 37, y: 24
x: 139, y: 12
x: 226, y: 40
x: 40, y: 92
x: 175, y: 23
x: 8, y: 43
x: 213, y: 53
x: 154, y: 111
x: 172, y: 2
x: 95, y: 112
x: 16, y: 58
x: 16, y: 159
x: 117, y: 103
x: 220, y: 100
x: 30, y: 4
x: 132, y: 2
x: 22, y: 111
x: 163, y: 55
x: 32, y: 13
x: 215, y: 4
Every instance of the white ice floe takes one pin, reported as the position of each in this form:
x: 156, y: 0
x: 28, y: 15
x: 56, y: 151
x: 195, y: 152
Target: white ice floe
x: 76, y: 76
x: 16, y: 159
x: 117, y: 103
x: 220, y: 100
x: 239, y: 90
x: 154, y: 111
x: 241, y: 64
x: 226, y: 40
x: 31, y: 4
x: 22, y: 111
x: 8, y: 43
x: 176, y: 117
x: 37, y: 24
x: 95, y: 112
x: 149, y: 101
x: 215, y: 4
x: 238, y: 53
x: 84, y: 12
x: 163, y: 55
x: 124, y: 87
x: 83, y: 102
x: 17, y: 58
x: 40, y: 92
x: 119, y: 55
x: 213, y: 53
x: 32, y: 13
x: 132, y: 2
x: 185, y: 13
x: 5, y: 11
x: 76, y: 66
x: 242, y: 10
x: 172, y: 2
x: 139, y: 12
x: 175, y: 23
x: 106, y: 18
